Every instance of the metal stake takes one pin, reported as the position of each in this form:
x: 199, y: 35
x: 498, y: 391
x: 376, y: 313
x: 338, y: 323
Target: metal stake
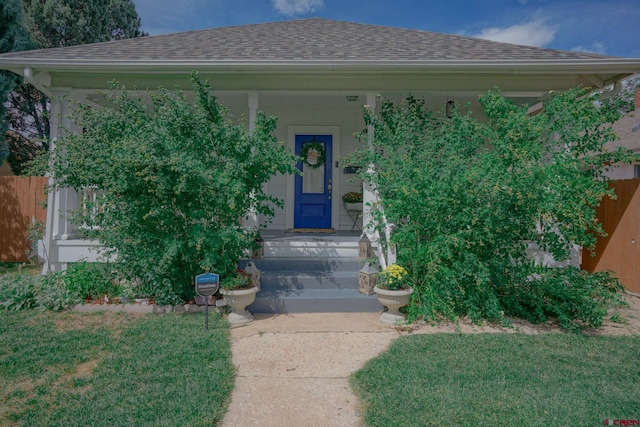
x: 206, y: 314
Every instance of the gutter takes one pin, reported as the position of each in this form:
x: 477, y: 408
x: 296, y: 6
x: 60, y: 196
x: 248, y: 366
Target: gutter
x: 589, y: 66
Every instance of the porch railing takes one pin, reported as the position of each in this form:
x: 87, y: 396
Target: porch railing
x: 89, y: 206
x: 380, y: 229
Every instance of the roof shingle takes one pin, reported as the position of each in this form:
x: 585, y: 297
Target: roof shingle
x: 312, y: 39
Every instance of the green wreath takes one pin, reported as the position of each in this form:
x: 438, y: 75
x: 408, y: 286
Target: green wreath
x: 313, y: 146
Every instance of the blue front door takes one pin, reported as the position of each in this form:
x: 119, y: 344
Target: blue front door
x: 313, y: 187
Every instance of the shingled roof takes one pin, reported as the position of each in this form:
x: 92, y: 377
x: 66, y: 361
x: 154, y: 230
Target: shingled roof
x: 304, y: 40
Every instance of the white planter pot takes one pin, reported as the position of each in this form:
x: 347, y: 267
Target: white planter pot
x: 353, y: 206
x: 238, y: 300
x: 393, y: 300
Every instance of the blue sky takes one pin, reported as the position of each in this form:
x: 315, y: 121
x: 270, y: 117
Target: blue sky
x: 610, y: 27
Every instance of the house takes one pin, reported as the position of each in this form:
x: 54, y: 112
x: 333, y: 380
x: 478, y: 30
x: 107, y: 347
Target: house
x: 628, y: 131
x: 315, y: 75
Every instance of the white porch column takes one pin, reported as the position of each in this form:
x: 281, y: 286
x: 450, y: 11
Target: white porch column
x: 57, y: 227
x: 252, y: 218
x: 68, y: 199
x: 49, y: 257
x: 59, y: 202
x: 368, y: 196
x: 253, y: 110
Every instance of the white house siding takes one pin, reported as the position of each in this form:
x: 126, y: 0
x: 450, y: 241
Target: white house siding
x: 628, y: 131
x: 622, y: 171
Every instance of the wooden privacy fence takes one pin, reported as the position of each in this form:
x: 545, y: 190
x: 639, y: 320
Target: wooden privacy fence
x: 620, y: 250
x: 21, y: 199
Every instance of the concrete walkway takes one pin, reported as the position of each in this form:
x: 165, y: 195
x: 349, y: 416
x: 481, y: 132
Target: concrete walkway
x: 293, y: 370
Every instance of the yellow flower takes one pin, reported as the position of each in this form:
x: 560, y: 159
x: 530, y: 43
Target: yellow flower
x: 392, y: 276
x: 396, y: 271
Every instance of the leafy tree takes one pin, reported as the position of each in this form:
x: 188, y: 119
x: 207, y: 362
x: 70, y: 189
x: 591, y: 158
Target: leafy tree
x: 467, y: 196
x: 60, y: 23
x: 13, y: 36
x: 175, y: 180
x: 28, y: 113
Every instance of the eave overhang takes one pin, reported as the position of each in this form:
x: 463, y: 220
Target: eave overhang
x: 586, y: 66
x: 50, y: 75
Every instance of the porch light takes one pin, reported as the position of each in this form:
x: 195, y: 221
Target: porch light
x: 449, y: 109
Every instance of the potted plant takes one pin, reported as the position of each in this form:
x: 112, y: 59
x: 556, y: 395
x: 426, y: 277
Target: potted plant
x: 352, y: 201
x: 238, y: 291
x: 393, y: 292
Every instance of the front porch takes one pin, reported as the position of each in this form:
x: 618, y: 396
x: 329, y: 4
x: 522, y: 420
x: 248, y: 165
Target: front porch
x: 303, y: 116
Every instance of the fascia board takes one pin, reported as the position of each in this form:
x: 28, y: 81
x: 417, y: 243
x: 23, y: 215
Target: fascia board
x: 609, y: 65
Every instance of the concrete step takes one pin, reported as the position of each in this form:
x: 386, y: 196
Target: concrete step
x: 310, y: 274
x: 315, y: 248
x: 286, y: 274
x: 289, y: 281
x: 314, y: 301
x: 307, y: 265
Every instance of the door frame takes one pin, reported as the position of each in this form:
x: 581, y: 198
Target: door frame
x: 334, y: 131
x: 314, y: 199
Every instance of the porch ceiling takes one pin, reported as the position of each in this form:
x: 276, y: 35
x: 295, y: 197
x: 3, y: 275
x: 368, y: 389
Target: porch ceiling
x: 434, y: 99
x: 332, y: 88
x: 461, y: 79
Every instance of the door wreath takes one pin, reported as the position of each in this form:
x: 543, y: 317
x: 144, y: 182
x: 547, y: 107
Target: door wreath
x: 313, y: 154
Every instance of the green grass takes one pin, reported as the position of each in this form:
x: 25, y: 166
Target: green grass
x: 501, y: 380
x: 73, y: 369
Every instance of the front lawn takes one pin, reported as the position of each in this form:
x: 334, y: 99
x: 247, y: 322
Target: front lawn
x: 72, y: 369
x: 501, y: 380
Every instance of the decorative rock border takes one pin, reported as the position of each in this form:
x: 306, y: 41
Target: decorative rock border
x: 143, y: 308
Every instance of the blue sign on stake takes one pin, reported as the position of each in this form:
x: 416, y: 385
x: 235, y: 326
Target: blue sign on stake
x: 207, y: 284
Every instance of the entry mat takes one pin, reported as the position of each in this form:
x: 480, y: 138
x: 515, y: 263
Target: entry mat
x: 311, y: 230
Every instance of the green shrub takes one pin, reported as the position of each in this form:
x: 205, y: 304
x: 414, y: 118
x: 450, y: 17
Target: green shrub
x: 86, y: 280
x: 238, y: 280
x: 174, y: 180
x: 54, y: 294
x: 17, y: 292
x: 57, y: 291
x: 465, y: 196
x: 574, y: 297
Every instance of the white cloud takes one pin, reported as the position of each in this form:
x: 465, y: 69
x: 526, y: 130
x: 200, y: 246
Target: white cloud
x: 297, y: 7
x: 533, y: 33
x: 595, y: 47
